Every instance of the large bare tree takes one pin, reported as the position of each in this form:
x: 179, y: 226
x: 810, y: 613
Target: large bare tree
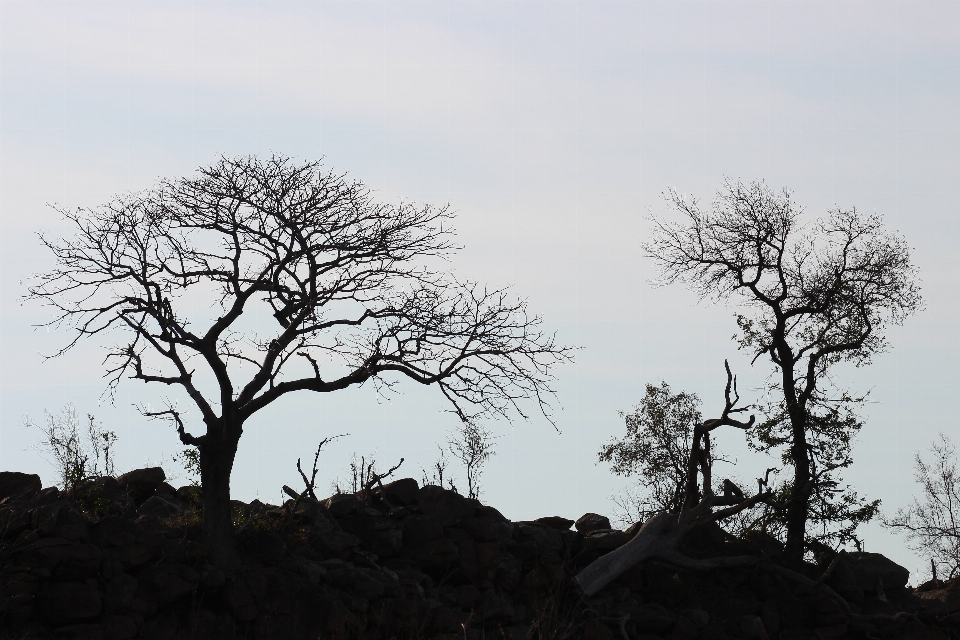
x: 818, y: 293
x: 313, y: 286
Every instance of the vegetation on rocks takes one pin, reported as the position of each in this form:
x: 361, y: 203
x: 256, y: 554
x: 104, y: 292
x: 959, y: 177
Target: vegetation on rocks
x: 409, y: 561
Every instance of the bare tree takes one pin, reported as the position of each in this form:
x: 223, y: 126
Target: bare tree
x: 932, y: 526
x: 655, y: 448
x: 78, y: 454
x: 316, y: 287
x: 819, y: 295
x: 439, y: 467
x: 473, y: 446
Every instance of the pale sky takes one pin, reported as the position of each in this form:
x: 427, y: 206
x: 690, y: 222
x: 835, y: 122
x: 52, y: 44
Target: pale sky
x: 552, y: 128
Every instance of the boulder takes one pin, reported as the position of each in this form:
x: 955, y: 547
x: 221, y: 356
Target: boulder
x: 267, y: 546
x: 400, y: 492
x: 448, y: 507
x: 140, y: 484
x: 651, y: 617
x: 342, y: 504
x: 605, y: 539
x: 486, y: 528
x: 869, y: 569
x: 159, y: 508
x: 115, y: 531
x: 74, y: 600
x: 591, y: 522
x: 119, y: 627
x: 100, y: 489
x: 19, y: 485
x: 119, y: 594
x: 555, y: 522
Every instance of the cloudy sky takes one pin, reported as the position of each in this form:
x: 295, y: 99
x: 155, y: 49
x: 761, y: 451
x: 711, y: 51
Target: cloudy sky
x: 552, y: 128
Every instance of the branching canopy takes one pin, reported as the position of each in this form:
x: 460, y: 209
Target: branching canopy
x: 345, y: 283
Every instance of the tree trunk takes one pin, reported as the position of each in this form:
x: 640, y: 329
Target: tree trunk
x: 797, y: 510
x: 658, y: 536
x: 217, y: 454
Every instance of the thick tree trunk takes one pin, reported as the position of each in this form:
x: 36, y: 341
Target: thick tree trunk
x: 659, y: 536
x: 217, y: 454
x: 797, y: 509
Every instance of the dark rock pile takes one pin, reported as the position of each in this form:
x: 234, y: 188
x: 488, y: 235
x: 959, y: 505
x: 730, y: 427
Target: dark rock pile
x: 120, y: 558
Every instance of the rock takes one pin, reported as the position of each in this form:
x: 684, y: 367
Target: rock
x: 844, y: 583
x: 159, y: 508
x: 869, y: 569
x: 508, y: 572
x: 468, y: 596
x: 400, y: 492
x: 342, y: 504
x: 555, y: 522
x: 699, y: 617
x: 240, y: 600
x: 74, y: 600
x: 651, y: 617
x: 98, y: 491
x: 266, y: 546
x: 547, y: 539
x: 19, y: 486
x: 120, y: 593
x: 591, y: 522
x: 118, y: 627
x: 212, y: 578
x: 685, y: 629
x: 45, y: 518
x: 190, y: 495
x: 605, y: 539
x: 485, y: 511
x: 486, y: 529
x: 339, y: 543
x: 114, y: 531
x: 74, y: 561
x: 753, y: 629
x: 770, y: 615
x: 19, y: 587
x: 376, y: 532
x: 140, y: 484
x: 594, y: 629
x: 79, y: 632
x: 448, y: 507
x: 361, y: 582
x: 171, y: 581
x: 166, y: 491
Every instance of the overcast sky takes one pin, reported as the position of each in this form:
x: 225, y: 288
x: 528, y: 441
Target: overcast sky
x: 552, y: 128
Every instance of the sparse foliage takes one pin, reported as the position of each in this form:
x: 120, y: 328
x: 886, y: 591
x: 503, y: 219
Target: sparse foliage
x: 189, y: 459
x: 931, y: 523
x: 472, y: 445
x: 364, y: 475
x: 77, y: 453
x: 439, y: 468
x: 315, y: 287
x: 818, y: 294
x: 655, y: 448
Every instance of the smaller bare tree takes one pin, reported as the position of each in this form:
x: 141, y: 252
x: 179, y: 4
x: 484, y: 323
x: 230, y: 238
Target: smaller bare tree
x: 473, y: 446
x: 77, y: 454
x: 439, y: 468
x: 931, y: 525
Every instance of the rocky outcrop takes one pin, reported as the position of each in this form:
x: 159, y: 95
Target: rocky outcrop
x: 122, y: 559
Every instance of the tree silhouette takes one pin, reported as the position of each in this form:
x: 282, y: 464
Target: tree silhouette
x: 314, y: 286
x: 818, y: 295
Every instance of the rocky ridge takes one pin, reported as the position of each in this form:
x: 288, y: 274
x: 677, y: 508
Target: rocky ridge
x: 120, y: 558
